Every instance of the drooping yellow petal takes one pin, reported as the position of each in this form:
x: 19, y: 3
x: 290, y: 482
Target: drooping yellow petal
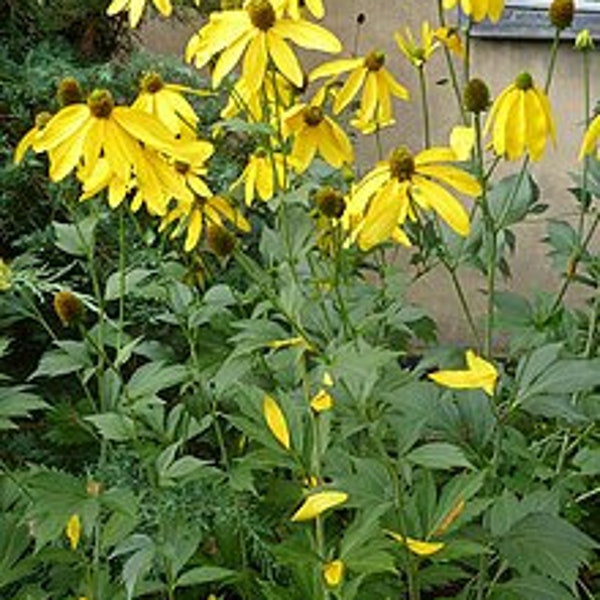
x: 590, y: 139
x: 349, y: 90
x: 418, y: 547
x: 317, y: 504
x: 335, y: 67
x: 73, y: 531
x: 453, y: 176
x: 479, y: 374
x: 516, y: 128
x: 284, y: 58
x: 64, y: 124
x: 230, y: 57
x: 462, y: 141
x: 308, y: 35
x: 276, y: 421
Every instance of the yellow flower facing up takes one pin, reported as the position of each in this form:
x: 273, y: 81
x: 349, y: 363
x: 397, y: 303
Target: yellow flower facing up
x: 479, y: 374
x: 418, y: 547
x: 73, y: 531
x: 293, y: 8
x: 333, y: 572
x: 197, y: 215
x: 322, y: 401
x: 417, y: 54
x: 276, y: 421
x: 261, y: 32
x: 315, y: 132
x: 166, y: 102
x: 262, y: 176
x: 479, y: 9
x: 316, y: 504
x: 388, y: 195
x: 377, y: 83
x: 135, y: 8
x: 590, y: 139
x: 521, y: 120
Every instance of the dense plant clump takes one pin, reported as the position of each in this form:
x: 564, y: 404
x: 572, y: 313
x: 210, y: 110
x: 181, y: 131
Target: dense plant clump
x: 212, y: 382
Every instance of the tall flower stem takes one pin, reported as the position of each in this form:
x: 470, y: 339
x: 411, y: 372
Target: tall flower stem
x: 451, y: 68
x: 424, y: 106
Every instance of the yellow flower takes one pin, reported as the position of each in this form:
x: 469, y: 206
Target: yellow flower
x: 590, y: 139
x: 73, y: 531
x: 388, y: 195
x: 136, y: 8
x: 99, y: 128
x: 417, y: 55
x: 165, y: 101
x: 462, y: 141
x: 276, y: 421
x: 262, y: 175
x: 378, y: 86
x: 292, y: 7
x: 31, y: 138
x: 521, y: 120
x: 321, y: 401
x: 333, y: 572
x: 479, y: 374
x: 449, y: 37
x: 317, y: 504
x: 479, y: 9
x: 418, y: 547
x: 5, y: 276
x: 315, y: 132
x: 200, y: 212
x: 261, y: 32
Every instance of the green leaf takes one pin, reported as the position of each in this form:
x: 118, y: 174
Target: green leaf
x: 14, y: 543
x: 546, y: 544
x: 153, y: 377
x: 70, y: 356
x: 207, y: 574
x: 75, y: 239
x: 132, y: 280
x: 533, y: 587
x: 113, y: 426
x: 17, y: 403
x: 588, y: 460
x: 512, y: 198
x: 439, y: 455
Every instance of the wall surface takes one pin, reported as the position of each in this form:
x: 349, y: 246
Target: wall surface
x: 497, y: 62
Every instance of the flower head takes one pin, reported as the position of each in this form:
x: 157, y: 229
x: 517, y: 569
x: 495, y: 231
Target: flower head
x: 479, y: 374
x: 521, y: 120
x: 377, y: 83
x: 261, y: 32
x: 315, y: 132
x: 561, y: 13
x: 165, y: 101
x: 479, y: 9
x: 316, y: 504
x: 417, y: 54
x: 321, y: 401
x: 584, y: 41
x: 450, y: 37
x: 68, y: 307
x: 388, y: 195
x: 293, y: 8
x: 262, y: 176
x: 136, y: 8
x: 69, y: 92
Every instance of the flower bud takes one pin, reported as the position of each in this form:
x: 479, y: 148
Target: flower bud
x: 220, y: 240
x: 68, y: 307
x: 69, y: 92
x: 476, y: 96
x: 584, y: 41
x: 330, y: 202
x: 561, y: 13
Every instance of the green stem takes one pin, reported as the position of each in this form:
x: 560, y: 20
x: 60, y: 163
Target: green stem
x: 552, y: 63
x: 424, y: 106
x: 122, y: 265
x: 465, y: 305
x: 467, y: 64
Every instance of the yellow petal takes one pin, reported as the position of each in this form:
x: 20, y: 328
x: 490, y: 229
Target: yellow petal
x: 333, y: 572
x: 418, y: 547
x: 590, y: 139
x: 462, y: 140
x: 63, y: 125
x: 453, y: 176
x: 350, y: 88
x: 73, y: 531
x: 194, y: 231
x: 308, y: 35
x: 230, y: 57
x: 321, y: 401
x: 255, y: 62
x: 516, y: 128
x: 24, y: 144
x: 335, y: 67
x: 318, y: 503
x: 276, y: 421
x: 164, y: 7
x: 284, y: 58
x: 480, y: 374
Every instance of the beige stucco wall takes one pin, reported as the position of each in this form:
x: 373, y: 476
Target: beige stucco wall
x: 495, y: 61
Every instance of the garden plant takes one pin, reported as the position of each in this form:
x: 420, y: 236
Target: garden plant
x: 213, y: 385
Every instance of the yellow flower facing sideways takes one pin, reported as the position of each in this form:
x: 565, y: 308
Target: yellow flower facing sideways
x: 316, y: 504
x: 377, y: 83
x: 479, y: 9
x: 135, y: 8
x: 521, y: 120
x: 315, y: 132
x: 260, y: 33
x: 590, y: 139
x: 276, y: 421
x: 262, y: 176
x: 166, y: 102
x: 417, y: 54
x: 479, y: 374
x: 382, y: 201
x: 418, y: 547
x: 333, y: 572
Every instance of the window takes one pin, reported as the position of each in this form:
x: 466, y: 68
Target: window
x: 528, y: 19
